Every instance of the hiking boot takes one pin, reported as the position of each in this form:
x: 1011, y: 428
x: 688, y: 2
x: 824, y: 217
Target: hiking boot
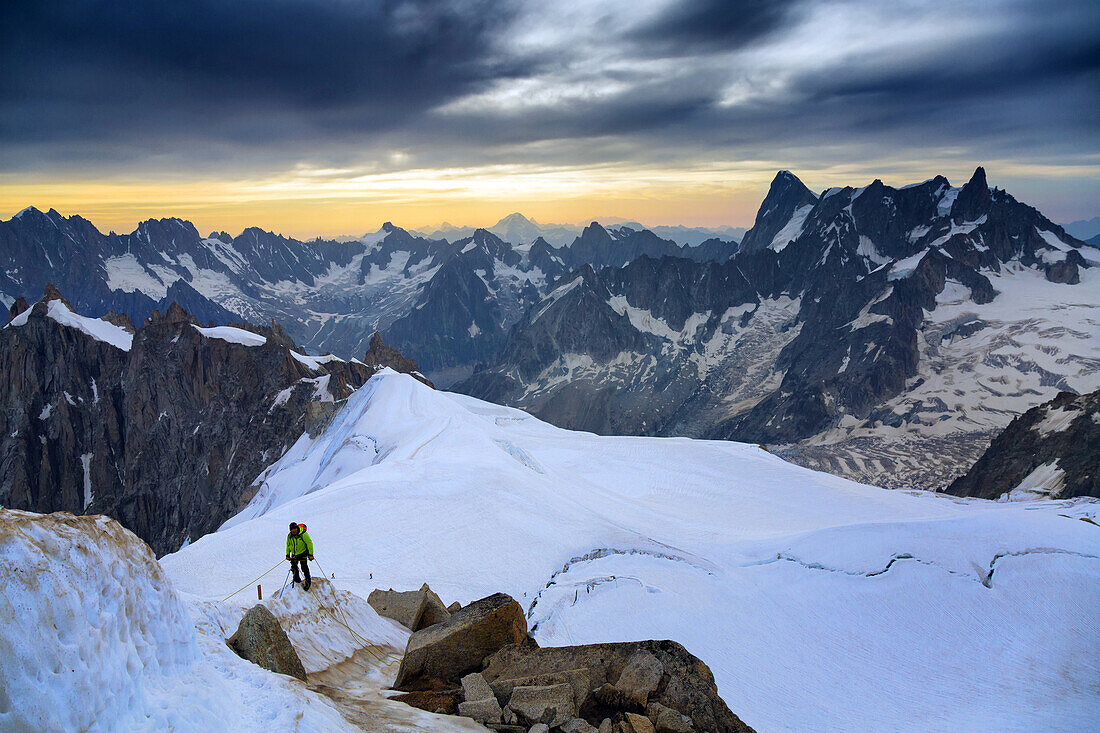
x: 305, y: 585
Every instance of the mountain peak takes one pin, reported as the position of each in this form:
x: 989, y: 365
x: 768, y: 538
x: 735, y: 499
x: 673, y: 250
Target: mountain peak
x: 785, y: 195
x: 785, y: 176
x: 978, y: 179
x: 52, y: 293
x: 515, y: 218
x: 974, y: 198
x: 786, y: 181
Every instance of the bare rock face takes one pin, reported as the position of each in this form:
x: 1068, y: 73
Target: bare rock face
x: 1052, y: 450
x: 168, y: 436
x: 631, y: 687
x: 441, y: 702
x: 17, y: 307
x: 439, y: 656
x: 261, y: 640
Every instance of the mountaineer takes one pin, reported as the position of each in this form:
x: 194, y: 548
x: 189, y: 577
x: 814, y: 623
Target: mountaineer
x: 299, y: 547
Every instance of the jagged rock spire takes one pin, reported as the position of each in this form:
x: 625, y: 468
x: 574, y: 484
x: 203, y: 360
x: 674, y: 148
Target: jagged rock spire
x: 785, y: 195
x: 973, y: 200
x: 17, y: 307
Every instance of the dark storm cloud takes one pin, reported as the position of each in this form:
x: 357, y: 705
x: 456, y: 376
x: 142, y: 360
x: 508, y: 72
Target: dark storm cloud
x: 693, y: 25
x: 248, y: 70
x: 1020, y: 83
x: 276, y: 82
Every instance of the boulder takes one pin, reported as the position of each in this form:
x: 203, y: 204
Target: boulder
x: 578, y: 725
x: 261, y: 640
x: 440, y: 655
x: 638, y: 723
x: 539, y: 728
x: 550, y: 704
x: 483, y: 711
x: 638, y: 680
x: 404, y: 607
x: 480, y: 703
x: 413, y: 609
x: 606, y: 726
x: 667, y: 720
x: 454, y: 607
x: 686, y: 684
x: 583, y: 681
x: 434, y: 611
x: 474, y: 687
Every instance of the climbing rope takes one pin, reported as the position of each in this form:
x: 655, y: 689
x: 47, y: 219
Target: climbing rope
x: 371, y: 649
x: 285, y: 581
x: 250, y: 582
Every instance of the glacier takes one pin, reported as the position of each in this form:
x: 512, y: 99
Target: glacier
x: 819, y: 603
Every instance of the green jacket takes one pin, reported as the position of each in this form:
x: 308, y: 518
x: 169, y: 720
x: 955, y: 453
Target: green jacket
x: 299, y: 544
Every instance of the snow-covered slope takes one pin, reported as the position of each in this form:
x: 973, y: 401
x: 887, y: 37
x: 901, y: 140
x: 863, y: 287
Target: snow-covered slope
x: 94, y: 638
x: 818, y: 603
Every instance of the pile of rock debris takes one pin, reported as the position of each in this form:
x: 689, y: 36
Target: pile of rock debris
x: 479, y: 662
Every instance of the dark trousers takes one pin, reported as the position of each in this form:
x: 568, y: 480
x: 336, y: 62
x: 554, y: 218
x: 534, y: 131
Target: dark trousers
x: 294, y: 561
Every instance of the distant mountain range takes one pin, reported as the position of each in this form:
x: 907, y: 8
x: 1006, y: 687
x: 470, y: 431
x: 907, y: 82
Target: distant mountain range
x: 519, y: 230
x: 451, y: 301
x: 881, y: 333
x: 1086, y: 229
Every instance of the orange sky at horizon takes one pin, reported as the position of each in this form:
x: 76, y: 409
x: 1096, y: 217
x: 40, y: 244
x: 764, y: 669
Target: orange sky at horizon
x: 317, y: 204
x: 310, y: 203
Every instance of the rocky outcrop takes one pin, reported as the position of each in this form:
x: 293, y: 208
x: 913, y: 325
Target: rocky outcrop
x: 440, y: 655
x: 164, y: 427
x: 414, y: 609
x: 260, y: 639
x: 481, y: 664
x: 379, y: 356
x: 657, y: 680
x: 1052, y: 450
x: 638, y: 680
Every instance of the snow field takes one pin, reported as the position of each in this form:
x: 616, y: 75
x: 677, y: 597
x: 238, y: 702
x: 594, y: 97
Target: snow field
x: 97, y: 328
x: 232, y: 335
x: 817, y: 602
x: 95, y: 638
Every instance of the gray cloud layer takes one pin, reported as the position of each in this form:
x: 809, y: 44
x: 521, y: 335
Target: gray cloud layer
x: 265, y: 84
